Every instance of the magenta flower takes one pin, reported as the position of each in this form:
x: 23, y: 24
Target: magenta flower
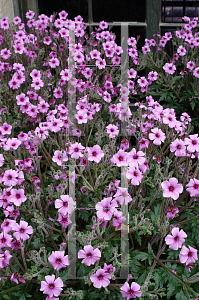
x: 179, y: 147
x: 100, y: 278
x: 58, y: 260
x: 95, y: 153
x: 130, y: 292
x: 90, y: 256
x: 193, y: 187
x: 172, y: 188
x: 17, y: 196
x: 192, y: 142
x: 105, y: 208
x: 134, y: 175
x: 10, y: 177
x: 122, y: 195
x: 135, y: 159
x: 177, y: 238
x: 171, y: 212
x: 66, y: 205
x: 157, y: 136
x: 188, y: 256
x: 120, y: 158
x: 52, y: 287
x: 22, y: 230
x: 5, y: 259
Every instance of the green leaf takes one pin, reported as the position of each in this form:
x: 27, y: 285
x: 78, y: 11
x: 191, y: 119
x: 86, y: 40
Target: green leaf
x: 22, y: 298
x: 170, y: 289
x: 138, y: 238
x: 6, y: 297
x: 181, y: 296
x: 141, y: 256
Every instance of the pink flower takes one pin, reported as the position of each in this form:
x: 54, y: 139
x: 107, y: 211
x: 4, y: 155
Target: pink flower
x: 135, y: 175
x: 193, y: 187
x: 120, y: 158
x: 172, y: 188
x: 10, y: 177
x: 17, y: 196
x: 196, y: 72
x: 132, y: 292
x: 95, y: 153
x: 135, y: 159
x: 105, y: 208
x: 22, y: 230
x: 171, y: 212
x: 16, y: 275
x: 76, y: 150
x: 143, y: 143
x: 188, y: 256
x: 90, y: 256
x: 100, y: 278
x: 192, y: 142
x: 169, y: 68
x: 58, y: 260
x: 112, y: 130
x: 157, y: 136
x: 122, y: 195
x: 59, y: 157
x: 179, y: 147
x: 5, y: 259
x: 66, y: 205
x: 177, y: 238
x: 52, y: 287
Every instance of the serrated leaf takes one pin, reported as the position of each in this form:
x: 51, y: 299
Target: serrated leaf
x: 141, y: 256
x: 181, y: 296
x: 170, y: 289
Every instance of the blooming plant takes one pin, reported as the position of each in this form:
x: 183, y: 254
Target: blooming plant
x: 40, y: 142
x: 173, y: 63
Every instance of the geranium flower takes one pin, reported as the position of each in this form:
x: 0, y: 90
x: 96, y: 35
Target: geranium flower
x: 5, y: 259
x: 188, y: 256
x: 66, y: 205
x: 157, y: 136
x: 105, y: 208
x: 122, y: 195
x: 52, y: 287
x: 58, y: 260
x: 134, y: 158
x: 100, y: 278
x: 134, y: 174
x: 192, y: 142
x: 172, y: 188
x: 193, y: 187
x: 130, y: 292
x: 90, y: 256
x: 17, y: 196
x: 177, y: 238
x: 95, y: 153
x: 22, y: 230
x: 179, y: 147
x: 171, y: 212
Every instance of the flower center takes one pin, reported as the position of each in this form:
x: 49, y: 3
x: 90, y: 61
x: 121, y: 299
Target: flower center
x: 94, y: 153
x: 51, y: 286
x: 100, y: 277
x: 195, y: 186
x: 120, y: 158
x: 179, y: 147
x: 176, y: 238
x: 58, y: 261
x: 135, y: 156
x: 65, y: 204
x: 21, y: 230
x: 157, y: 135
x: 106, y: 208
x: 190, y: 254
x: 171, y: 188
x: 89, y: 255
